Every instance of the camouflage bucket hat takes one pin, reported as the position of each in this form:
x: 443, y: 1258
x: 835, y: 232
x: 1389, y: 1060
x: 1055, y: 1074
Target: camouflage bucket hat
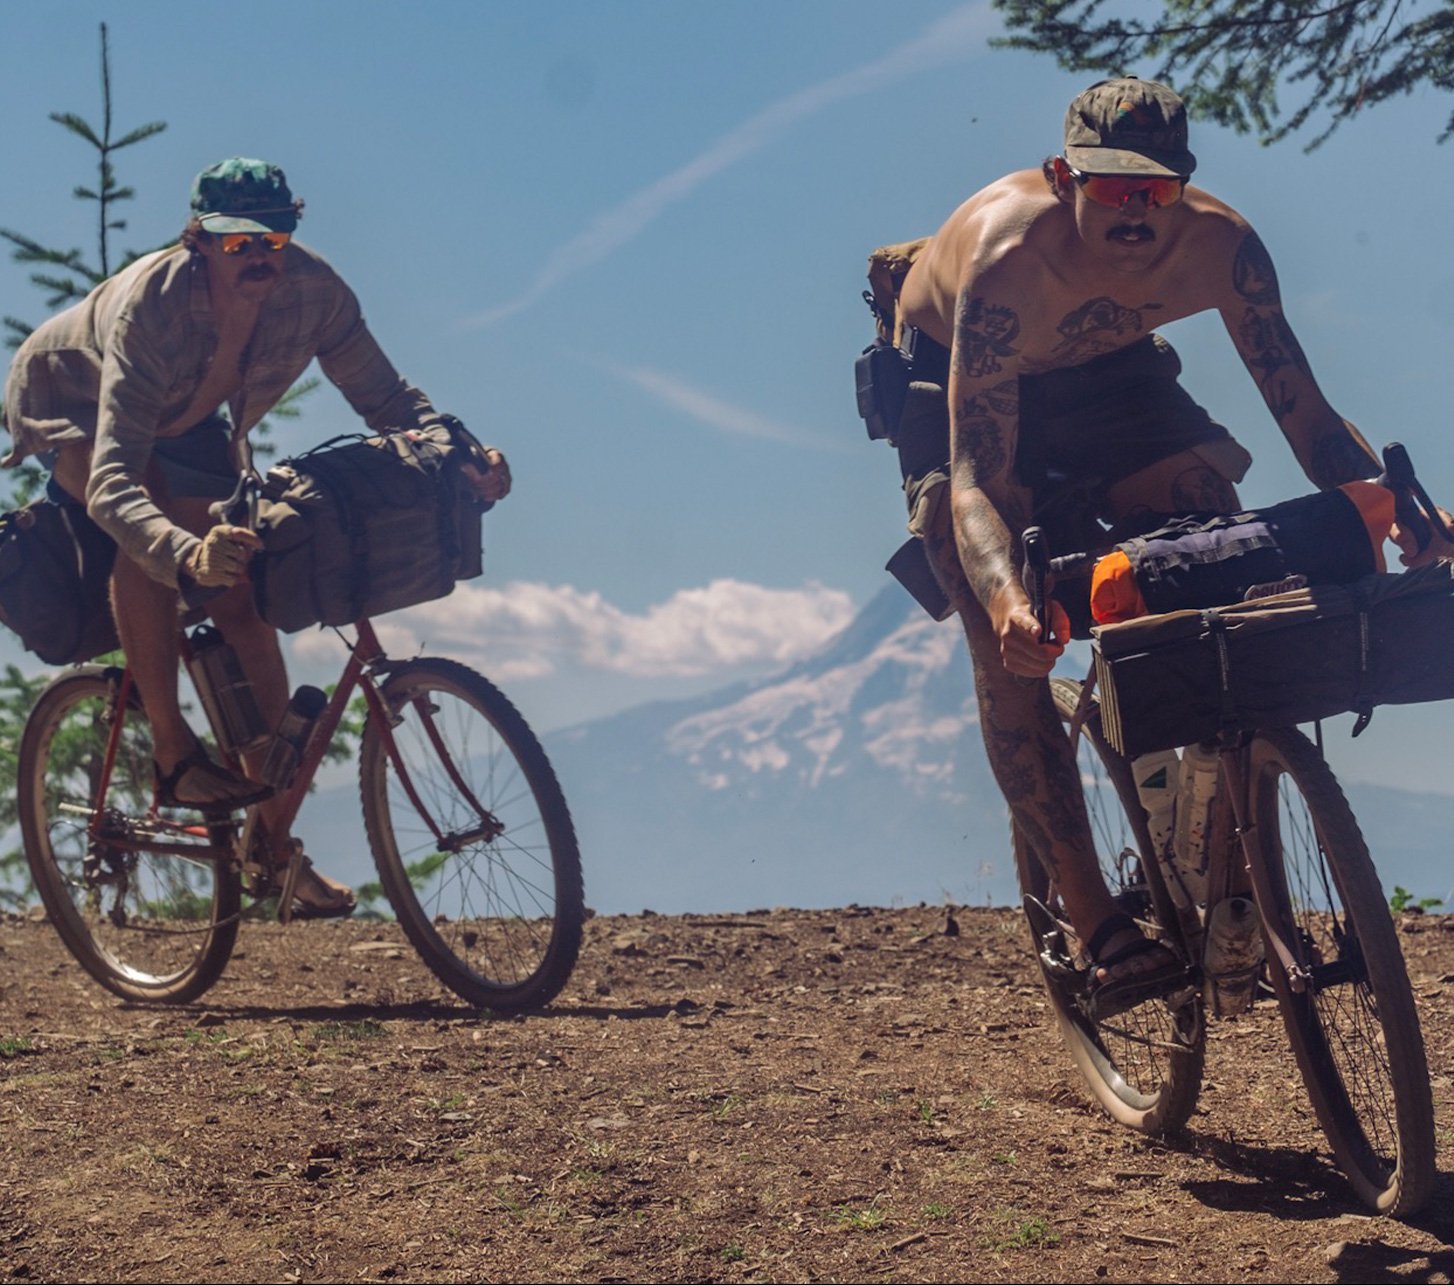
x: 243, y: 195
x: 1128, y: 126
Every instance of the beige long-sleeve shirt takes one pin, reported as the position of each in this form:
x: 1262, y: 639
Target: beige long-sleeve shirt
x: 121, y: 368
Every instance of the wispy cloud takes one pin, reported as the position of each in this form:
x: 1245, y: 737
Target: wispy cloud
x: 949, y: 40
x: 714, y: 412
x: 532, y: 630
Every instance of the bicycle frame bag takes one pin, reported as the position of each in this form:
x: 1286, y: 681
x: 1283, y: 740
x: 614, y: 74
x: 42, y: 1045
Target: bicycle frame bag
x: 55, y: 566
x: 1294, y: 657
x: 361, y: 526
x: 1328, y: 537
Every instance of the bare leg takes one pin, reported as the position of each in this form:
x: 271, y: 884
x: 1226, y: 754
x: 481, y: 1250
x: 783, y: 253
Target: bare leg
x: 1029, y: 753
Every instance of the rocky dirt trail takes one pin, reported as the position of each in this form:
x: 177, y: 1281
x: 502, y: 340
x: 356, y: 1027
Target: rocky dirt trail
x: 845, y: 1095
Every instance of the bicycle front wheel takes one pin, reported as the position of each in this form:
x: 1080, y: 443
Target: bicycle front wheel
x: 1143, y: 1066
x: 146, y: 901
x: 472, y: 837
x: 1346, y: 1002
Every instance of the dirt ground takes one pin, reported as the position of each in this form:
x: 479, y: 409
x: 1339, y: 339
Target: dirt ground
x: 847, y: 1095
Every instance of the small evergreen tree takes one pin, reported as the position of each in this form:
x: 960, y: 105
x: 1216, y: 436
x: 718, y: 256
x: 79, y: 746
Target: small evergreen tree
x: 1229, y: 58
x: 65, y: 275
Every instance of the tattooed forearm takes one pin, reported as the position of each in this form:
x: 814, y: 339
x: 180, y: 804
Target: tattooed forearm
x: 1253, y: 276
x: 985, y: 552
x: 984, y: 336
x: 979, y: 443
x: 1338, y: 457
x: 1269, y: 348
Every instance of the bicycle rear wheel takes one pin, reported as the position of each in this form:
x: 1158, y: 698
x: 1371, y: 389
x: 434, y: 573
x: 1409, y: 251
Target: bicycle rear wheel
x: 1353, y: 1024
x: 472, y: 837
x: 1143, y: 1066
x: 147, y: 925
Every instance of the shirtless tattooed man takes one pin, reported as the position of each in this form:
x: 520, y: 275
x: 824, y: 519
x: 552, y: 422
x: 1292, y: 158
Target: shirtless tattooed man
x: 1035, y: 302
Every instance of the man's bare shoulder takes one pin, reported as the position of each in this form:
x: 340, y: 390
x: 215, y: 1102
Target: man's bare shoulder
x: 1005, y: 232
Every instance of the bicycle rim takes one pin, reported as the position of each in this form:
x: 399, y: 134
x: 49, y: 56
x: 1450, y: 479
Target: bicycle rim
x: 1143, y: 1066
x: 1354, y: 1028
x: 146, y: 925
x: 473, y: 839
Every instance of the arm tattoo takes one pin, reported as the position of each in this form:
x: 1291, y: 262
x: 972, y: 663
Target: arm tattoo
x: 1098, y: 326
x: 1269, y: 346
x: 981, y: 440
x: 1253, y: 276
x: 1337, y: 458
x: 983, y: 334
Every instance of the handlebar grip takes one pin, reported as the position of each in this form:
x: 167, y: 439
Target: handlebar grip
x: 1415, y: 511
x: 1034, y: 576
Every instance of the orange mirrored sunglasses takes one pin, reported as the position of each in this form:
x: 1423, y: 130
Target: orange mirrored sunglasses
x: 234, y: 242
x: 1117, y: 190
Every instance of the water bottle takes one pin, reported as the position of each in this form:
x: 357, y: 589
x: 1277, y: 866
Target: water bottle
x: 1158, y: 779
x: 294, y: 728
x: 1200, y: 771
x: 226, y: 694
x: 1232, y: 956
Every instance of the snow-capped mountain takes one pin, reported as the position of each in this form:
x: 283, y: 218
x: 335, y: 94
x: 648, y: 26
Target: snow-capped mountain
x: 856, y: 776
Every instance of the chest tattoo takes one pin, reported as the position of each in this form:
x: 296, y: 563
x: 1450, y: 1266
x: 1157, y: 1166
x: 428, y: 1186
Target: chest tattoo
x: 1099, y: 325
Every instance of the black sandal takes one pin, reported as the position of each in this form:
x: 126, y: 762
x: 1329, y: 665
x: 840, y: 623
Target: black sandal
x: 1114, y: 996
x: 228, y: 790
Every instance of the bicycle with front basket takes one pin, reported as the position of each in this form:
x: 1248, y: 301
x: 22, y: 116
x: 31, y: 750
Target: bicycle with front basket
x: 465, y: 819
x: 1280, y: 835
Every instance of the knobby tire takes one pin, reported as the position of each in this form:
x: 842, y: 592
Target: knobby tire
x: 497, y: 916
x: 147, y: 926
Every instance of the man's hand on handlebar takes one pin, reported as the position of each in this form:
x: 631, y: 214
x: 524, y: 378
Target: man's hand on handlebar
x: 491, y: 481
x: 220, y: 561
x: 1014, y: 623
x: 1437, y: 547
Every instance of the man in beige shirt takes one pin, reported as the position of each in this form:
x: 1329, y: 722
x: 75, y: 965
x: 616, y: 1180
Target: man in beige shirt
x: 1034, y: 306
x: 121, y: 396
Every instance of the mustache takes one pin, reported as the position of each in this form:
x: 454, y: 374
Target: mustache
x: 1131, y: 234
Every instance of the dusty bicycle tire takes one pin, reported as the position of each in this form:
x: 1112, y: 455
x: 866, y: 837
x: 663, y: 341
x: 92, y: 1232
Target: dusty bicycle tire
x: 499, y: 919
x: 1143, y: 1067
x: 147, y: 926
x: 1355, y: 1032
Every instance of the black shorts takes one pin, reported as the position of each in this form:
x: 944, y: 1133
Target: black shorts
x: 1082, y: 430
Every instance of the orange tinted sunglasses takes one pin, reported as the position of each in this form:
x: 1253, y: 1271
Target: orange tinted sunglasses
x: 1116, y: 191
x: 233, y: 242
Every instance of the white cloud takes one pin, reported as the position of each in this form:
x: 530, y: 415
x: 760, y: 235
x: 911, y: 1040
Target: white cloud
x: 531, y: 630
x: 949, y: 40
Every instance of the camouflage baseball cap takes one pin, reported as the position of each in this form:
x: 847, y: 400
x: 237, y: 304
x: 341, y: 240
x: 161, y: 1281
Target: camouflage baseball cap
x: 243, y: 195
x: 1128, y: 126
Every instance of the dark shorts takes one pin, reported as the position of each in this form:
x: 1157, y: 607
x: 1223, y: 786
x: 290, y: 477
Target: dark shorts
x: 1082, y: 429
x: 198, y: 463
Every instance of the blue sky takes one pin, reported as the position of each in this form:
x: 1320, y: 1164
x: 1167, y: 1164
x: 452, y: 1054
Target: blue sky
x: 626, y: 243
